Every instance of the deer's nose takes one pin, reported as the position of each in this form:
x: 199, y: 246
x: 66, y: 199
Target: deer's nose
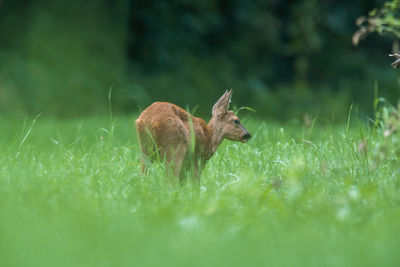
x: 246, y: 136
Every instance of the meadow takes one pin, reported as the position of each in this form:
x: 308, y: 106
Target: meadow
x: 318, y: 194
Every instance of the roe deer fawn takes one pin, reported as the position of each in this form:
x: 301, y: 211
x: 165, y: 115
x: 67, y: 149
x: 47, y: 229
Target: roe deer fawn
x: 166, y: 130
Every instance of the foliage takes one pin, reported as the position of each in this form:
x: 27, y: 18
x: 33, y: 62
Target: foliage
x: 385, y: 20
x: 304, y: 195
x: 61, y: 57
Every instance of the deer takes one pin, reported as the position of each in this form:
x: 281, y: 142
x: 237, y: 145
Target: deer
x: 185, y: 142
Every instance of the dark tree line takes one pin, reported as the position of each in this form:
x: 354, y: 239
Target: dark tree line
x: 63, y: 56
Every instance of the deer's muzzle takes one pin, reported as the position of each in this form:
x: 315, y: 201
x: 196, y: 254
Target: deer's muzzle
x: 246, y: 137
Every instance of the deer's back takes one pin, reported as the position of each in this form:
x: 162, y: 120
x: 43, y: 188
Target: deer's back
x: 168, y: 123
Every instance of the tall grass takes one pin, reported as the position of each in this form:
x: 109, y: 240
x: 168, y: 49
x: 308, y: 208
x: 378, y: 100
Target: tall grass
x: 71, y: 194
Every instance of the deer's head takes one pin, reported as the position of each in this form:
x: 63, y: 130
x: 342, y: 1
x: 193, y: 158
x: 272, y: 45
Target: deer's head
x: 227, y: 123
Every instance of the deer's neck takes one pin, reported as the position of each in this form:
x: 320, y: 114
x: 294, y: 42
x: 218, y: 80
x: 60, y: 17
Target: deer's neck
x: 216, y: 135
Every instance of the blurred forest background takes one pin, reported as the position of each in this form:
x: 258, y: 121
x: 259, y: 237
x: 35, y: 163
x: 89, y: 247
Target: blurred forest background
x: 282, y: 58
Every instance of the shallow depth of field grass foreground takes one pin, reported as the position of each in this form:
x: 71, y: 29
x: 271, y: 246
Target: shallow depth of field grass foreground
x: 71, y: 194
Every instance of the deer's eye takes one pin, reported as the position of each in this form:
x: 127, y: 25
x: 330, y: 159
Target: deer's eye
x: 236, y: 121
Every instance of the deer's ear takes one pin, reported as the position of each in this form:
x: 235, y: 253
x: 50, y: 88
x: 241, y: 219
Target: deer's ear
x: 222, y: 104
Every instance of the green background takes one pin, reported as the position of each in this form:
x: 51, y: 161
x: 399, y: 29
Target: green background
x: 283, y: 58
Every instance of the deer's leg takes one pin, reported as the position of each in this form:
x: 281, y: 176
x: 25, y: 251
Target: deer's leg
x: 145, y: 158
x: 198, y: 168
x: 143, y: 164
x: 145, y: 144
x: 175, y: 157
x: 180, y: 155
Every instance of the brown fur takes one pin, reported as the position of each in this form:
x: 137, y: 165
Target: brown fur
x: 164, y: 131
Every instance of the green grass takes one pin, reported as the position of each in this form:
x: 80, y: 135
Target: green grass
x: 71, y: 194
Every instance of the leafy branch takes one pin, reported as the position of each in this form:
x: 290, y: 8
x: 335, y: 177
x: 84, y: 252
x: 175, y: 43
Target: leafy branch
x: 384, y: 21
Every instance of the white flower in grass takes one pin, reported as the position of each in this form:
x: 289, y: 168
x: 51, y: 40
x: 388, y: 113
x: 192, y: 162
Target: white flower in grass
x: 354, y: 193
x: 133, y: 210
x: 189, y: 223
x: 343, y: 213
